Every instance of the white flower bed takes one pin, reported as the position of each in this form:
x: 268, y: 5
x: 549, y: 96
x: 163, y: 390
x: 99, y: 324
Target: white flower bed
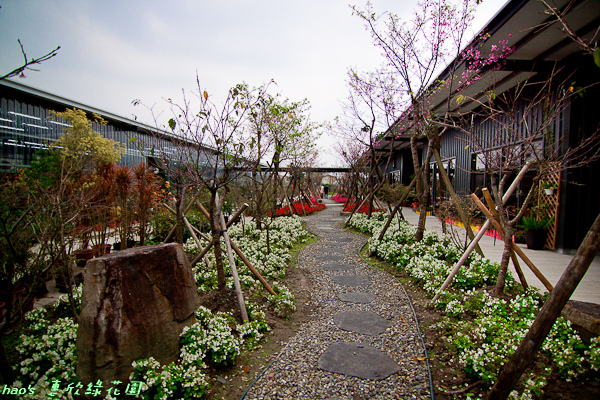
x: 485, y: 342
x: 47, y: 345
x: 284, y: 233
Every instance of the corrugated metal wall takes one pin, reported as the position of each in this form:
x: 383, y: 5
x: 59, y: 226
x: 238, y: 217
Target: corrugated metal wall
x: 25, y: 128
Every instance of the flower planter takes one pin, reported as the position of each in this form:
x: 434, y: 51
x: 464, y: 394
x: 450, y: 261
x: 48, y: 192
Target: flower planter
x: 549, y: 192
x: 82, y: 256
x: 130, y: 243
x: 535, y: 239
x: 101, y: 249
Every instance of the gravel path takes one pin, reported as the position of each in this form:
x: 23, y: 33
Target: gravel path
x: 295, y: 373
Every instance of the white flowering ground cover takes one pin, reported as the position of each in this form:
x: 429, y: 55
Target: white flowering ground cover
x: 46, y: 346
x: 270, y: 261
x: 484, y: 330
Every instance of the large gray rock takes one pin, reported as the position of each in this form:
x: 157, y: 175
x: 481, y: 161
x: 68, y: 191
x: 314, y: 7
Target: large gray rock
x: 135, y: 304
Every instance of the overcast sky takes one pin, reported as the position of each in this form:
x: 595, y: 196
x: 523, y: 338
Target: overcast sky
x: 113, y: 52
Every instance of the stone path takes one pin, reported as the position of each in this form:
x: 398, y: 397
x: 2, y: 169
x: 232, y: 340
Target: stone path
x: 362, y: 341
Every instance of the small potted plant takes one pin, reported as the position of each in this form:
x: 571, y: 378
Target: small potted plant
x: 549, y: 188
x: 535, y: 231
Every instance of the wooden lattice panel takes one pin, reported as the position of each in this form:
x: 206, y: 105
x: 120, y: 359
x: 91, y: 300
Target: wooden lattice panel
x: 548, y: 204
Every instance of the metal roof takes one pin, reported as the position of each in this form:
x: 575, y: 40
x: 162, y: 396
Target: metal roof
x: 132, y: 125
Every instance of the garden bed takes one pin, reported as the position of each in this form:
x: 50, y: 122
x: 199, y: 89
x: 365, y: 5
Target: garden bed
x: 470, y: 333
x: 219, y: 354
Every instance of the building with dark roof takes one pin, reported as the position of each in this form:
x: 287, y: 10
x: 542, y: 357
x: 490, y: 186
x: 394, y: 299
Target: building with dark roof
x: 540, y: 49
x: 26, y: 125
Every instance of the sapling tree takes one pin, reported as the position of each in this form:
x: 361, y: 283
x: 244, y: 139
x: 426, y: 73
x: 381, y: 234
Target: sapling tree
x: 210, y: 151
x: 41, y: 215
x: 145, y: 188
x: 415, y: 50
x: 369, y: 110
x: 281, y: 132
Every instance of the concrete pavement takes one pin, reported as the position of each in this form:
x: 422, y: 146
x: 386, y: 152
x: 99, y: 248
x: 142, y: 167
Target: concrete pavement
x: 552, y: 264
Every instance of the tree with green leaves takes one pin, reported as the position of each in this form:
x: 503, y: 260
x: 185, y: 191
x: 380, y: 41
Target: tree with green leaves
x: 210, y: 153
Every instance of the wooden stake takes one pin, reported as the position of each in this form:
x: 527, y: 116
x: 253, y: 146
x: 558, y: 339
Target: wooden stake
x: 462, y: 260
x: 484, y: 228
x: 202, y: 253
x: 236, y: 279
x: 251, y: 268
x: 516, y: 248
x: 531, y: 343
x: 492, y: 208
x: 454, y: 199
x: 237, y: 214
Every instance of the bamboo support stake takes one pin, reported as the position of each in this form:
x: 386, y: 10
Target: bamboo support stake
x: 484, y: 228
x: 170, y: 235
x: 202, y: 209
x: 454, y: 199
x: 515, y: 262
x: 397, y: 207
x: 202, y: 253
x: 191, y: 229
x: 551, y: 310
x: 237, y: 214
x: 516, y: 248
x: 251, y: 268
x: 287, y: 197
x: 236, y: 279
x: 193, y: 232
x: 380, y: 204
x: 492, y: 208
x: 462, y: 260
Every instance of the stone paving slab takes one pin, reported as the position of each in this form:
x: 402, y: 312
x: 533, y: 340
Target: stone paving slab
x: 337, y: 267
x: 341, y: 240
x: 330, y: 257
x: 357, y: 359
x: 323, y: 361
x: 334, y: 249
x: 357, y: 297
x: 365, y: 322
x: 351, y: 280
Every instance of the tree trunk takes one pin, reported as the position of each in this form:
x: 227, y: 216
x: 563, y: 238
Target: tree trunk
x: 420, y: 190
x: 499, y: 290
x: 179, y: 215
x: 215, y: 226
x: 454, y: 198
x: 551, y: 310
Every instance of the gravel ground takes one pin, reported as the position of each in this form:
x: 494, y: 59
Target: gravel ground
x: 295, y: 373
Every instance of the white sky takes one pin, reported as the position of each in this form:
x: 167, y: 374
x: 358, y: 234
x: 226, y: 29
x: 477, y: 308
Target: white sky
x: 113, y: 52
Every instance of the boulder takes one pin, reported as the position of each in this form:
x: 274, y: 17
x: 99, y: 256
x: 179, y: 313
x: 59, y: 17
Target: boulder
x: 135, y: 303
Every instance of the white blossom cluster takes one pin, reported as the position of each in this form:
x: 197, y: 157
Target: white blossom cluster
x: 486, y: 342
x: 284, y: 303
x: 212, y: 339
x: 270, y: 258
x: 429, y: 261
x: 47, y: 350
